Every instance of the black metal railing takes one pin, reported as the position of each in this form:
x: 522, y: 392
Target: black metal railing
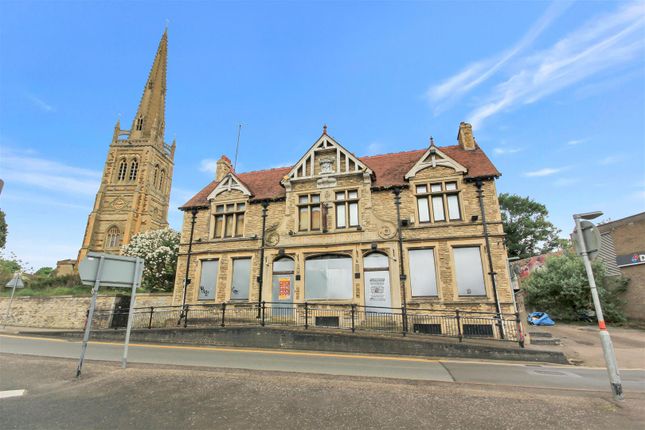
x: 448, y: 323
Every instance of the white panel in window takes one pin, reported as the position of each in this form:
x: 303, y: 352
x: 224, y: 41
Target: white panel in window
x: 437, y: 208
x: 328, y: 277
x: 375, y: 261
x: 241, y: 279
x: 424, y: 211
x: 468, y: 267
x: 423, y: 278
x: 340, y: 215
x: 435, y: 187
x: 284, y: 264
x: 353, y: 214
x: 208, y: 280
x: 453, y: 207
x: 422, y: 189
x: 451, y: 186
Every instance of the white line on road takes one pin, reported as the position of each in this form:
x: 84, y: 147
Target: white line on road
x: 11, y: 393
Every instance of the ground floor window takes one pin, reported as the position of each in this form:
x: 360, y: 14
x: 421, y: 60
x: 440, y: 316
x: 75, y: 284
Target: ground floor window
x: 241, y: 279
x: 328, y: 277
x: 468, y: 268
x: 208, y: 280
x: 423, y: 278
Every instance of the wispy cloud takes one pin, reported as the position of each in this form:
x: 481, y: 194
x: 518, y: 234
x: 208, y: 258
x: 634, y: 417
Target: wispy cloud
x: 574, y: 142
x: 47, y: 174
x: 565, y: 182
x: 607, y: 41
x: 502, y: 150
x: 375, y: 148
x: 547, y: 171
x: 208, y: 165
x: 455, y: 87
x: 40, y: 103
x: 610, y: 159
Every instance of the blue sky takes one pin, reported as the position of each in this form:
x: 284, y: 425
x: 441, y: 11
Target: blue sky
x: 555, y: 92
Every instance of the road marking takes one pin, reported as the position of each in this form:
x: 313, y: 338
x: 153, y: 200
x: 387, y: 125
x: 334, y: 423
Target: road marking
x: 11, y: 393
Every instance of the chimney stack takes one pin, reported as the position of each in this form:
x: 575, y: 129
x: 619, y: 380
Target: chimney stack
x: 465, y: 136
x: 223, y: 168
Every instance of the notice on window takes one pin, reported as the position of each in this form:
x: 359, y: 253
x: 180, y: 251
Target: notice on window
x: 284, y: 291
x: 376, y: 290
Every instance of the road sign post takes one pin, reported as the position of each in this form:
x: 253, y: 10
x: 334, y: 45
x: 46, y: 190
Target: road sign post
x: 587, y: 243
x: 110, y: 271
x: 15, y: 282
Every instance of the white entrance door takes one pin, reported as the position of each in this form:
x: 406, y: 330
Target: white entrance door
x: 377, y: 283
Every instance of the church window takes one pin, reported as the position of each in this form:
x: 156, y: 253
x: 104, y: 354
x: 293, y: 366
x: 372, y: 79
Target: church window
x: 162, y: 178
x: 229, y: 220
x: 133, y: 170
x: 309, y: 212
x: 123, y: 167
x: 139, y: 125
x: 113, y: 238
x: 347, y: 209
x: 156, y: 176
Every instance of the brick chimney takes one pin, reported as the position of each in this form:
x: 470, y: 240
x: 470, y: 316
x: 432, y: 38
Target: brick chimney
x: 465, y: 136
x: 223, y: 168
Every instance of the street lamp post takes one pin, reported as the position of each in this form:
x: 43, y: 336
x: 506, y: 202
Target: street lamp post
x: 605, y: 339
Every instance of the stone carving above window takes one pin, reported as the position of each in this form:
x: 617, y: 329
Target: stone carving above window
x: 326, y: 165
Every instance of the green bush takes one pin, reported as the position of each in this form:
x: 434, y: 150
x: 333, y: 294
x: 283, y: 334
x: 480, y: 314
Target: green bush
x: 561, y: 289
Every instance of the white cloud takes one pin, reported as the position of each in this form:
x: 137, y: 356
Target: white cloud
x: 501, y: 150
x: 610, y: 159
x: 606, y: 42
x: 547, y: 171
x: 47, y: 174
x: 40, y: 103
x: 375, y: 148
x: 453, y: 88
x: 573, y: 142
x: 208, y: 165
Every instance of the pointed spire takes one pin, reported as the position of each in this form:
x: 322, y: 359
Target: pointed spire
x: 150, y: 114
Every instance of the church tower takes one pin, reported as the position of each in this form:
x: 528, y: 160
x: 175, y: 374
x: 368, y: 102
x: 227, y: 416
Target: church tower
x: 135, y: 187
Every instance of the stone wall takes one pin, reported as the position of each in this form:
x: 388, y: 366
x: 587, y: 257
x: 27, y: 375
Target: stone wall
x: 65, y: 311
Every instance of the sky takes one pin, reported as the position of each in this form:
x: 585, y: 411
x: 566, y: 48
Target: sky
x: 555, y: 92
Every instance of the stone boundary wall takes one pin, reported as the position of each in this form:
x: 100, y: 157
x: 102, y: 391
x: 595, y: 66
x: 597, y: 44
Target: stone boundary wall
x: 65, y: 311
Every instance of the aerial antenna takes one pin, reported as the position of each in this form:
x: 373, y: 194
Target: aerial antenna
x: 237, y: 147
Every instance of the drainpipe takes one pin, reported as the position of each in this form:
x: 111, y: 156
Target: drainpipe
x: 491, y: 271
x: 402, y: 277
x: 190, y: 250
x: 265, y: 205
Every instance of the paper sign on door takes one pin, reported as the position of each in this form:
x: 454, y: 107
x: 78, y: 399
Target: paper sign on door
x: 284, y: 292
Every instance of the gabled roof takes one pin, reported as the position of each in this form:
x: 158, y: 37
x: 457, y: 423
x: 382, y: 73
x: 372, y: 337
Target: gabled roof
x: 389, y: 171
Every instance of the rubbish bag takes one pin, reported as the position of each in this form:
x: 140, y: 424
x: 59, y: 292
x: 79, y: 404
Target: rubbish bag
x: 540, y: 318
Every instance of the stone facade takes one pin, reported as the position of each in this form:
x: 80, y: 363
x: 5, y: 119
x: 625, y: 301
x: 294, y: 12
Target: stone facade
x: 66, y: 311
x: 135, y: 187
x: 324, y: 171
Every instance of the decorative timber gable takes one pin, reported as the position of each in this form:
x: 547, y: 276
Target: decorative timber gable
x: 229, y: 183
x: 326, y: 160
x: 434, y: 157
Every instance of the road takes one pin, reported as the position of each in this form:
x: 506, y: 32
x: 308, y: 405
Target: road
x: 408, y: 368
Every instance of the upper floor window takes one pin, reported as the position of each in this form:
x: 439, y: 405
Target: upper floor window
x: 162, y: 178
x: 134, y: 167
x: 123, y: 167
x: 139, y: 125
x: 113, y: 237
x: 347, y: 209
x: 155, y: 177
x: 438, y: 201
x: 309, y: 212
x: 229, y: 220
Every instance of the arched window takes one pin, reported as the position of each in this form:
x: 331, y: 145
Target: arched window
x: 282, y: 287
x: 123, y: 167
x: 156, y: 175
x: 134, y: 166
x: 113, y: 238
x: 139, y: 125
x: 162, y: 178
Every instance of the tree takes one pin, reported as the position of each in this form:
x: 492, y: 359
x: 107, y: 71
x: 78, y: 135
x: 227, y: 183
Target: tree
x: 159, y: 248
x: 528, y: 231
x: 561, y: 289
x: 3, y: 230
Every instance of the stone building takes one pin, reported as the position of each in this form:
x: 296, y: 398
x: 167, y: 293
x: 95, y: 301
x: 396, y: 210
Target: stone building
x: 135, y: 187
x: 623, y: 253
x: 330, y: 231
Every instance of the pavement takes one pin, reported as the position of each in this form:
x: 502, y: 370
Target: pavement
x: 581, y: 344
x: 162, y: 396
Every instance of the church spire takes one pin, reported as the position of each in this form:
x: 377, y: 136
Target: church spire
x: 149, y: 122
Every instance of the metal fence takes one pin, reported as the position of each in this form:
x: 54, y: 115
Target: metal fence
x: 456, y: 324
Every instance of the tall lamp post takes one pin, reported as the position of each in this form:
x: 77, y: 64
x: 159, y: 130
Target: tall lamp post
x: 182, y: 315
x: 402, y: 277
x: 582, y: 246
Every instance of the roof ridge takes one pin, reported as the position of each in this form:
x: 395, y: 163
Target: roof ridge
x: 393, y: 153
x: 263, y: 170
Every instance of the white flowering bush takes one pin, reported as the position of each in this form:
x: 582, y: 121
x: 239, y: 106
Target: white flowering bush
x: 159, y: 248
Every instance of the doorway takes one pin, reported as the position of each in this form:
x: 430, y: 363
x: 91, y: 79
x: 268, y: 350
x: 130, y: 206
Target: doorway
x: 282, y: 289
x: 378, y: 297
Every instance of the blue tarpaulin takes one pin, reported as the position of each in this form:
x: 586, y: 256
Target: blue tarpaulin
x: 540, y: 318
